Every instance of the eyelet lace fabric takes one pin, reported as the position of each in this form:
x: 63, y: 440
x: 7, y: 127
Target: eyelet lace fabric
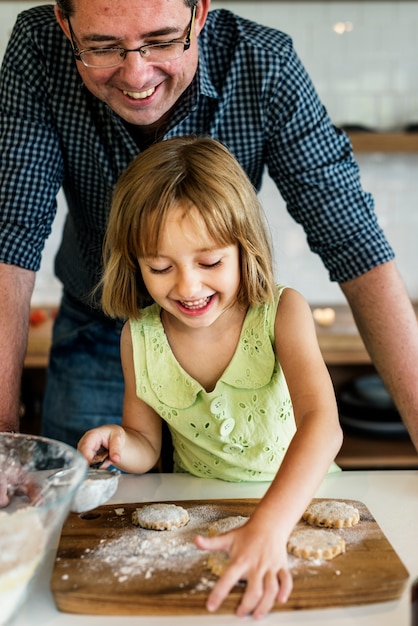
x: 240, y: 430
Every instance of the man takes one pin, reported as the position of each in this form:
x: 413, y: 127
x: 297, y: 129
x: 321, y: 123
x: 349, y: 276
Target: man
x: 88, y: 84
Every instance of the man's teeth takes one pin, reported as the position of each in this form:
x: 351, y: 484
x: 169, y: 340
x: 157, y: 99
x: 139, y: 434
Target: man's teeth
x: 196, y: 304
x: 139, y: 95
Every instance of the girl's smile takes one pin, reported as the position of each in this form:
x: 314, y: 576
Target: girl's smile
x: 196, y: 307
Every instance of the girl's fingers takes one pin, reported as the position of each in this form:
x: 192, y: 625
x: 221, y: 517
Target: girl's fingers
x: 261, y: 592
x: 226, y: 582
x: 262, y: 600
x: 219, y: 542
x: 285, y: 585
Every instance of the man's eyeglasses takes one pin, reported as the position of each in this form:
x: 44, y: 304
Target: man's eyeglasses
x: 153, y: 52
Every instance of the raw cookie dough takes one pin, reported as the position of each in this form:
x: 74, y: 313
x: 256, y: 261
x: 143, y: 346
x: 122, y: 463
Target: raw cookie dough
x: 331, y: 514
x: 311, y: 543
x: 218, y: 562
x: 225, y: 524
x: 161, y: 516
x: 23, y: 541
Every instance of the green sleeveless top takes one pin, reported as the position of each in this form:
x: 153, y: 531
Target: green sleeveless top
x: 241, y: 430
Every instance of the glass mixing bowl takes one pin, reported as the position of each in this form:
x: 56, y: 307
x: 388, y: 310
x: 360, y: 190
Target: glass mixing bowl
x: 38, y: 480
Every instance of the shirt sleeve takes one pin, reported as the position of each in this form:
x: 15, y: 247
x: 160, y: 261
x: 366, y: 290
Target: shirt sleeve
x: 313, y: 166
x: 31, y: 163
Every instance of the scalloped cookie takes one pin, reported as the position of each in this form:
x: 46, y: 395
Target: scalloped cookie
x: 311, y: 543
x: 160, y: 516
x: 218, y: 562
x: 225, y: 524
x: 331, y: 514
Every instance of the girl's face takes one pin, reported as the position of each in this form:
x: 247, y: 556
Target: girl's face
x: 192, y: 278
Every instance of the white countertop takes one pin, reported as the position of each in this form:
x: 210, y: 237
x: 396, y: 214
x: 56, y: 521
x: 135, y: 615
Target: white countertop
x: 391, y: 497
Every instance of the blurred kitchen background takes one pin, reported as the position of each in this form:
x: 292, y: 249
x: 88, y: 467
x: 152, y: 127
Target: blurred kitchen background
x: 362, y: 57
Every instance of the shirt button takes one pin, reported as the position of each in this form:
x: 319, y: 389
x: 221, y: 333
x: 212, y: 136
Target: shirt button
x: 217, y: 405
x: 232, y: 448
x: 227, y: 426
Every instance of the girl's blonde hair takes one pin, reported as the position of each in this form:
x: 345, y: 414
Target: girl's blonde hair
x: 199, y: 174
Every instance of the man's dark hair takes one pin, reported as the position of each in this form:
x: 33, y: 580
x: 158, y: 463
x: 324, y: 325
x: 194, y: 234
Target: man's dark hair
x: 67, y: 9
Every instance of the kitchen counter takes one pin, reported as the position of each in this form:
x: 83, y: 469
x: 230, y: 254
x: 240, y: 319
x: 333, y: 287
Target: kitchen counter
x: 390, y: 496
x: 340, y: 341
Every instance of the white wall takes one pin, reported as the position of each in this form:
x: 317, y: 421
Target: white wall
x: 366, y: 75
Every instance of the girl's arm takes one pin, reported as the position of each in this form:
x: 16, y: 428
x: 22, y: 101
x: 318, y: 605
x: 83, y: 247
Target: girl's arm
x: 318, y: 437
x: 258, y: 549
x: 135, y: 445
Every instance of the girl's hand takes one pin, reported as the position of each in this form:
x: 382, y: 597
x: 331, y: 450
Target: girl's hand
x: 260, y: 560
x: 108, y: 437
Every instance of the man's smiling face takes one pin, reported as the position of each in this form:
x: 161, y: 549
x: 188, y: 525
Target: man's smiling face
x: 141, y: 92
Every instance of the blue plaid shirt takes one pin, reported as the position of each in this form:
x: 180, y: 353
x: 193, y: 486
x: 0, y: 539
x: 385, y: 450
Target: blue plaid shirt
x: 250, y: 92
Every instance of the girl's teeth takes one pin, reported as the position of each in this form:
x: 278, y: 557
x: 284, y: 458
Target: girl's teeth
x: 196, y: 304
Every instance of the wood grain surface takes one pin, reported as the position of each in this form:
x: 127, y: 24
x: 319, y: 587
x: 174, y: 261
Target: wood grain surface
x: 107, y: 566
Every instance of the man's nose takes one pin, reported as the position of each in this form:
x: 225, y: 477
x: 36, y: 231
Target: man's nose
x: 134, y: 63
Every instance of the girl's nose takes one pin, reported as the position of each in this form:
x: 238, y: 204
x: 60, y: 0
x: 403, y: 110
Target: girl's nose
x: 188, y: 283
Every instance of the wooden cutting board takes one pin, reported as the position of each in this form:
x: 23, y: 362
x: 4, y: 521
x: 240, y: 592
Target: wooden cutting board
x: 107, y: 566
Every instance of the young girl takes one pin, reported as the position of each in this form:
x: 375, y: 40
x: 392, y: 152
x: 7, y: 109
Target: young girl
x: 227, y: 358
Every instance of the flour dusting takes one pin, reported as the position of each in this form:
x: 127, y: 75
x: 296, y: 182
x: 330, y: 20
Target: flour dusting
x: 133, y: 564
x: 145, y: 553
